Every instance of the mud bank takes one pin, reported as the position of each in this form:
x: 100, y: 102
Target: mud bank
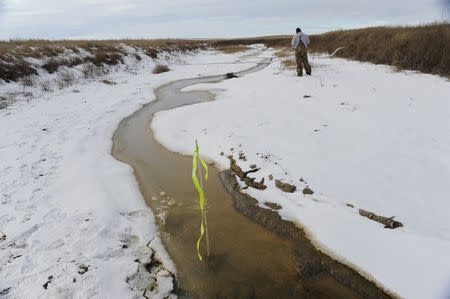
x: 310, y: 261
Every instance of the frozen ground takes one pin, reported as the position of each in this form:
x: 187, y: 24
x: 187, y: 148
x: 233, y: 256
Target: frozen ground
x: 75, y: 222
x: 366, y: 136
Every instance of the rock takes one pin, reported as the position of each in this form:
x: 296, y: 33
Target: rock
x: 244, y: 175
x: 350, y: 205
x: 242, y: 156
x: 163, y: 273
x: 285, y: 186
x: 306, y: 96
x: 307, y: 191
x: 273, y: 206
x: 270, y: 177
x: 162, y: 193
x: 154, y: 198
x: 253, y: 166
x: 302, y: 180
x: 83, y: 269
x: 171, y: 202
x: 221, y: 153
x: 230, y: 75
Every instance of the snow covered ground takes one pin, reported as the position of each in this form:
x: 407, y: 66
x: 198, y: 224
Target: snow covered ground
x: 75, y: 222
x: 366, y: 136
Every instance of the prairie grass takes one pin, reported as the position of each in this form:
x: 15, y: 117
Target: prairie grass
x: 14, y: 53
x: 233, y: 49
x: 424, y: 48
x: 160, y: 68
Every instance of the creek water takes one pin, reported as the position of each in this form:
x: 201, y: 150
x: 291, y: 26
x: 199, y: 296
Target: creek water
x: 247, y: 261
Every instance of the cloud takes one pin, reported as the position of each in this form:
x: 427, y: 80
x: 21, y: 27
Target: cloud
x: 2, y: 7
x: 203, y: 18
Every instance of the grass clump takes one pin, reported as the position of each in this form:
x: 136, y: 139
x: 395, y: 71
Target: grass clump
x: 105, y: 56
x: 53, y: 64
x: 160, y: 68
x: 152, y: 53
x: 65, y: 79
x: 231, y: 49
x: 13, y: 71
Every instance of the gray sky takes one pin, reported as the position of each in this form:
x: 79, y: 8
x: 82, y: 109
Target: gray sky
x: 67, y: 19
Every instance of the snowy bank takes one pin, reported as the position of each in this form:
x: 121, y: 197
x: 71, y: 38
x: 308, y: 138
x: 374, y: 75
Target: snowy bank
x: 75, y: 222
x: 357, y: 134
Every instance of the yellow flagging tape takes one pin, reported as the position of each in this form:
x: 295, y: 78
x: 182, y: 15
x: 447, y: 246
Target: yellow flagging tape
x: 201, y: 192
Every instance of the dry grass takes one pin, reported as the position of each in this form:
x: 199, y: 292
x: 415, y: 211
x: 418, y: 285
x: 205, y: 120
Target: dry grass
x: 231, y: 49
x: 289, y: 63
x: 15, y: 69
x: 90, y: 70
x: 98, y: 52
x: 160, y: 68
x: 65, y: 79
x: 422, y: 48
x: 53, y: 64
x: 48, y: 48
x: 3, y: 102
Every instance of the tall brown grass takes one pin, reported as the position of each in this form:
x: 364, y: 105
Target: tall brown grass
x: 160, y: 68
x: 233, y: 49
x: 422, y: 48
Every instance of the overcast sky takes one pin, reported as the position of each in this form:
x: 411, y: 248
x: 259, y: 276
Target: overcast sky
x: 57, y: 19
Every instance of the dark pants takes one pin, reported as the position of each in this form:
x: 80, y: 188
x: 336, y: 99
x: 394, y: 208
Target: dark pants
x: 301, y: 57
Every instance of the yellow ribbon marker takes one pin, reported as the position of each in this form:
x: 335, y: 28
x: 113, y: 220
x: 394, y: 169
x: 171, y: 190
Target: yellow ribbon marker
x: 201, y: 193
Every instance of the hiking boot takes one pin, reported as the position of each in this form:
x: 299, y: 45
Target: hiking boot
x: 299, y: 74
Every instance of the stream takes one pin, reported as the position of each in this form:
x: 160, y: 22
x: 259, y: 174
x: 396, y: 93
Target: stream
x: 248, y: 261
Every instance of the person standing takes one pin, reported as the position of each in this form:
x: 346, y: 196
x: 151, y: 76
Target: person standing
x: 300, y: 42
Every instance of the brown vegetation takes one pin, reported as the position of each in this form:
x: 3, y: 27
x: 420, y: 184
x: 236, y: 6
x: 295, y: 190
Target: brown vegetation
x: 15, y: 69
x: 160, y: 68
x: 13, y: 54
x: 421, y: 48
x: 231, y: 49
x: 53, y: 64
x: 65, y: 79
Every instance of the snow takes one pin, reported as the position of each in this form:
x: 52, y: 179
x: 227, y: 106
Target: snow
x: 66, y: 203
x: 368, y: 136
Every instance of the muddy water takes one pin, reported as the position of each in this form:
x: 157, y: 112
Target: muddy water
x: 247, y: 260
